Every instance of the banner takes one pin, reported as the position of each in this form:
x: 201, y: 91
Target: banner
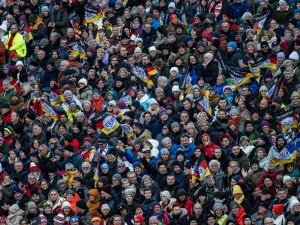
x: 274, y: 89
x: 287, y: 120
x: 289, y: 152
x: 127, y: 129
x: 186, y: 85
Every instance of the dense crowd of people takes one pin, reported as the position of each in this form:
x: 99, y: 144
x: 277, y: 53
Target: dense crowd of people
x: 149, y: 112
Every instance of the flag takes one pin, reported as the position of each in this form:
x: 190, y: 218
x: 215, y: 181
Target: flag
x: 287, y: 120
x: 77, y: 50
x: 265, y: 63
x: 289, y: 152
x: 56, y: 96
x: 93, y: 14
x: 141, y: 74
x: 200, y: 171
x: 46, y: 107
x: 259, y: 22
x: 73, y: 21
x: 187, y: 83
x: 204, y: 103
x: 237, y: 79
x: 151, y: 70
x: 274, y: 89
x: 127, y: 129
x: 108, y: 125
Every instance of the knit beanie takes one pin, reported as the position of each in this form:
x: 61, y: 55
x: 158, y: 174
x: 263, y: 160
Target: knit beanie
x: 218, y: 205
x: 278, y: 209
x: 60, y: 218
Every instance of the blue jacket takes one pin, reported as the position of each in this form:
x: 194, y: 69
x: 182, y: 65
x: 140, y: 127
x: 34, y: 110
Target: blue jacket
x: 219, y: 88
x: 238, y: 9
x: 131, y: 158
x: 189, y: 150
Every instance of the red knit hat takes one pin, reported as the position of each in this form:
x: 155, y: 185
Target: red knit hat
x: 139, y: 219
x: 278, y: 209
x: 33, y: 167
x: 13, y: 54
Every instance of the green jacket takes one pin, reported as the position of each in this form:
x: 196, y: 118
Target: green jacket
x: 18, y: 44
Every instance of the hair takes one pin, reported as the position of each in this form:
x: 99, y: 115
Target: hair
x: 69, y: 166
x: 166, y: 139
x: 214, y: 162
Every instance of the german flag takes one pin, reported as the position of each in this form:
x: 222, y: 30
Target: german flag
x: 151, y: 70
x: 56, y: 96
x: 200, y: 170
x: 142, y: 75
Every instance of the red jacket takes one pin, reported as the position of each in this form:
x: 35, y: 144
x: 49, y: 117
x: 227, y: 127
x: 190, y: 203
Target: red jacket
x: 6, y: 117
x: 187, y: 204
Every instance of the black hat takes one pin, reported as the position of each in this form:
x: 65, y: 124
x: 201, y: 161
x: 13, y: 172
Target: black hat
x: 175, y: 163
x: 32, y: 18
x: 81, y: 204
x: 5, y: 105
x: 216, y: 43
x: 33, y: 62
x: 274, y: 44
x: 107, y: 190
x: 31, y: 116
x: 181, y: 191
x: 34, y: 191
x: 25, y: 150
x: 264, y: 43
x: 265, y: 204
x: 254, y: 161
x: 69, y: 148
x: 129, y: 114
x: 93, y: 126
x: 203, y: 192
x: 266, y: 191
x: 277, y: 99
x: 19, y: 129
x: 122, y: 206
x: 51, y: 168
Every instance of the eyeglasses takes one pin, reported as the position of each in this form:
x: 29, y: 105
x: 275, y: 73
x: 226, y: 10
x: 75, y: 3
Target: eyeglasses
x: 121, y: 166
x: 147, y: 151
x: 85, y: 168
x: 69, y: 170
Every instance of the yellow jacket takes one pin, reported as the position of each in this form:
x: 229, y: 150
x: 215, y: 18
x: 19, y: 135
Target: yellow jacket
x: 18, y: 44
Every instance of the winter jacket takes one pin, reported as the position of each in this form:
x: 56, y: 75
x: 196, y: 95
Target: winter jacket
x: 75, y: 159
x: 241, y: 159
x: 13, y: 219
x: 94, y: 205
x: 85, y: 93
x: 61, y: 20
x: 18, y: 44
x: 38, y: 30
x: 85, y: 218
x: 282, y: 17
x: 238, y: 9
x: 210, y: 72
x: 148, y: 38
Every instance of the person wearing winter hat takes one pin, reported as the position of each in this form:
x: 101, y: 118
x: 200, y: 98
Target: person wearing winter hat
x: 239, y: 197
x: 219, y: 211
x: 278, y: 214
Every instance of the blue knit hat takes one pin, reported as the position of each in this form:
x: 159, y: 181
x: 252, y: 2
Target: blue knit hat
x: 232, y: 45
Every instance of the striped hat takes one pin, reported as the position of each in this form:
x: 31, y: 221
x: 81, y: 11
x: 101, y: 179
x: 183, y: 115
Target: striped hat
x: 60, y: 218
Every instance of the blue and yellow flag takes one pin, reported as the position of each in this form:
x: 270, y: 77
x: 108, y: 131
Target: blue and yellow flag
x: 289, y: 152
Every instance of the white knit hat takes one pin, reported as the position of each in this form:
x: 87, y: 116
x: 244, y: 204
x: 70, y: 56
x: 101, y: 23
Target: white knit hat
x: 83, y: 81
x: 66, y: 204
x: 19, y: 63
x: 174, y: 69
x: 3, y: 27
